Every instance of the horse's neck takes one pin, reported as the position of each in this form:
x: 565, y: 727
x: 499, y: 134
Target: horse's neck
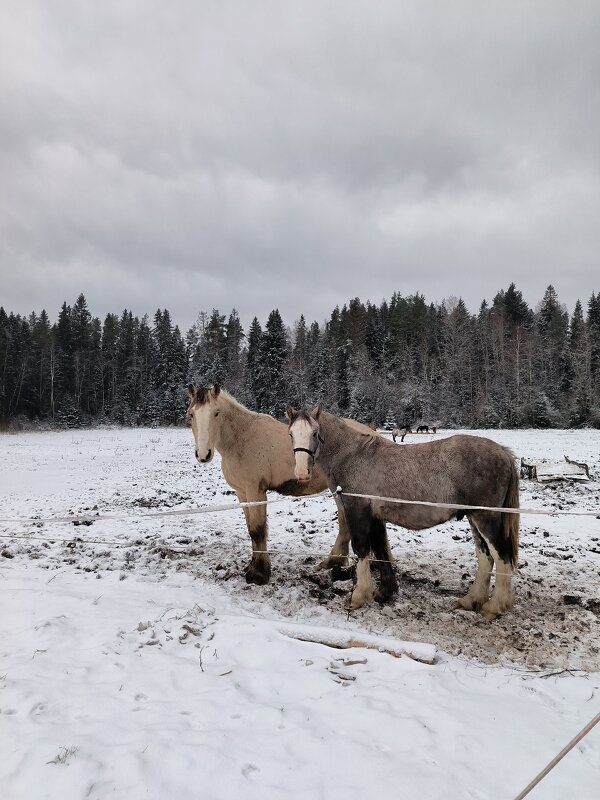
x: 339, y: 441
x: 234, y: 420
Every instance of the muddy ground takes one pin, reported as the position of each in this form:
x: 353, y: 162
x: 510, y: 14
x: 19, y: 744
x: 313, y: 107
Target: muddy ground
x: 555, y: 623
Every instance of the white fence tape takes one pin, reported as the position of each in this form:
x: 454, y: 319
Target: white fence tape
x: 87, y: 519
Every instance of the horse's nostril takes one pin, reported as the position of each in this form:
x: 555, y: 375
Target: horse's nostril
x: 209, y: 455
x: 196, y: 454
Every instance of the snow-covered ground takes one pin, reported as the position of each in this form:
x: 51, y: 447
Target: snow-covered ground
x: 136, y: 662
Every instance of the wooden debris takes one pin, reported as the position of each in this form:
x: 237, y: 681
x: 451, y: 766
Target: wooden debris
x: 545, y: 472
x: 581, y: 464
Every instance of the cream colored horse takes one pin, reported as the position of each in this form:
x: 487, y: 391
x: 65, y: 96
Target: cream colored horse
x: 255, y: 457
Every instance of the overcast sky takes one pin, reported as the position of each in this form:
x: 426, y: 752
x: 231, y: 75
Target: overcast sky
x: 254, y: 155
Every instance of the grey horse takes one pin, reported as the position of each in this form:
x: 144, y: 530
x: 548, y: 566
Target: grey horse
x: 460, y: 469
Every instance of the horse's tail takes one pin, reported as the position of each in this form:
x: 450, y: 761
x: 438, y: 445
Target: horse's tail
x: 511, y: 521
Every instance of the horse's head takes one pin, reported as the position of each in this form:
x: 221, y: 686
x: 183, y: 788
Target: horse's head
x: 202, y: 411
x: 306, y: 439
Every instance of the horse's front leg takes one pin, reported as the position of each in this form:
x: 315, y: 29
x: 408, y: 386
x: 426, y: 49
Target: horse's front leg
x: 359, y: 526
x: 241, y: 496
x: 339, y: 552
x: 388, y: 583
x: 259, y: 569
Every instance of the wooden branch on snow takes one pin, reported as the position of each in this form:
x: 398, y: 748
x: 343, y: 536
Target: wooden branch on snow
x: 343, y: 640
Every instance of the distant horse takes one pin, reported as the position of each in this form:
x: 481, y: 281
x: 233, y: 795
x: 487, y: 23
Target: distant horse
x: 460, y: 469
x: 423, y: 429
x: 256, y: 456
x: 401, y: 432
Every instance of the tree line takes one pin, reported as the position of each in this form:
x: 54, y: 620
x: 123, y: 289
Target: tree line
x: 402, y: 361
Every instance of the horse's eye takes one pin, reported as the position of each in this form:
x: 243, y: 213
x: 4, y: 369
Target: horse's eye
x: 216, y: 413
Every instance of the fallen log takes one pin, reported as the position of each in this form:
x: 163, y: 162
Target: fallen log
x: 344, y: 640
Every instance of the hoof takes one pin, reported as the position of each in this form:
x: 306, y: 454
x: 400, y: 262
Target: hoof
x: 379, y: 597
x: 490, y: 616
x: 467, y: 603
x: 493, y: 610
x: 342, y: 573
x: 357, y: 602
x: 331, y: 562
x: 259, y: 575
x: 384, y: 596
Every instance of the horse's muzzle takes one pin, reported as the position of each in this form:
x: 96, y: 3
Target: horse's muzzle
x: 302, y: 476
x: 207, y: 457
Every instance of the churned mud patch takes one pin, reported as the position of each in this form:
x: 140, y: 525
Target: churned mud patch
x: 554, y: 625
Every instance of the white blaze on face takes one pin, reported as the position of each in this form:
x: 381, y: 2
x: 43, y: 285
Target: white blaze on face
x: 304, y: 436
x: 201, y: 426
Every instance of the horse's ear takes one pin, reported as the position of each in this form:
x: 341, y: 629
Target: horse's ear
x: 290, y: 412
x: 317, y: 411
x: 191, y: 391
x: 216, y: 389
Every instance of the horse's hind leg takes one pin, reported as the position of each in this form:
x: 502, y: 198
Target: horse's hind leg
x: 339, y: 552
x: 259, y: 569
x: 388, y: 584
x: 480, y: 589
x: 490, y: 526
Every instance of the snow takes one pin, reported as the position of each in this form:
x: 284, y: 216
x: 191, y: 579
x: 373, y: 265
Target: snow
x: 136, y: 662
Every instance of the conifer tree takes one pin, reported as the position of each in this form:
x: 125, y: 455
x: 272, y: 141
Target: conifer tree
x: 593, y: 326
x: 4, y: 362
x: 273, y: 355
x: 216, y: 348
x: 577, y: 375
x: 81, y: 332
x: 234, y: 365
x: 254, y: 377
x: 109, y: 363
x: 167, y: 402
x: 316, y: 366
x: 297, y: 384
x: 552, y: 324
x: 64, y: 351
x: 39, y: 386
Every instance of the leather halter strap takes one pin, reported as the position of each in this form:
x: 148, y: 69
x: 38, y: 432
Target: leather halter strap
x: 311, y: 453
x: 305, y: 450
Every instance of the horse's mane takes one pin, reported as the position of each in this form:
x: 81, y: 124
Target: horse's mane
x: 370, y: 437
x: 202, y: 396
x: 235, y: 402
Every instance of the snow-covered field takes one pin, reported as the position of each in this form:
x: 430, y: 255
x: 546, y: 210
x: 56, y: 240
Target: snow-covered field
x: 136, y: 662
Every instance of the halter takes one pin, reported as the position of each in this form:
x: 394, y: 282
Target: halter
x: 311, y: 453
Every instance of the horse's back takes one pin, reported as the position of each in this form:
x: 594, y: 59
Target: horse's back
x: 433, y: 468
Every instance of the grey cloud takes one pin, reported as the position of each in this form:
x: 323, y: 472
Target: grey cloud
x: 296, y: 155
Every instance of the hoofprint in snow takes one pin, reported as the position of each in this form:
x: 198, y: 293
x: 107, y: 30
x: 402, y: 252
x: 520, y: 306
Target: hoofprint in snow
x: 135, y: 661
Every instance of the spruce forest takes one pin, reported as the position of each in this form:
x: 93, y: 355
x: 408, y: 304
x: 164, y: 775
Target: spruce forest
x: 404, y: 361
